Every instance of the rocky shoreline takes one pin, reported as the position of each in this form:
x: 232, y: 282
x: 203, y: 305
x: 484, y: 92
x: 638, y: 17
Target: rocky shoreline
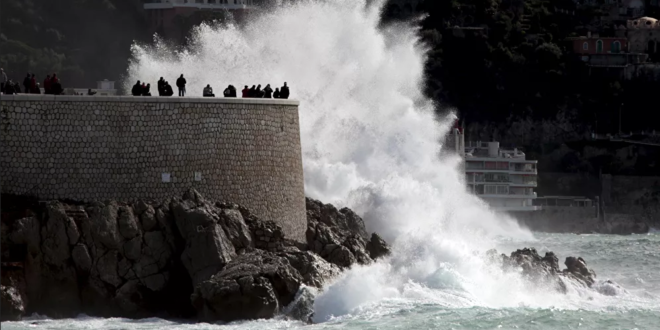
x: 195, y: 259
x: 183, y: 258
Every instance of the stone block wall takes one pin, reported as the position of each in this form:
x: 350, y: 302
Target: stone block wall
x: 86, y: 148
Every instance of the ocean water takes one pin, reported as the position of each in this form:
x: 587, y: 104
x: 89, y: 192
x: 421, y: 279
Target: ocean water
x: 630, y: 261
x: 371, y: 141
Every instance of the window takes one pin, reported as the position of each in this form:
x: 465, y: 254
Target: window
x: 585, y: 46
x: 502, y: 166
x: 599, y: 46
x: 616, y: 47
x: 491, y: 165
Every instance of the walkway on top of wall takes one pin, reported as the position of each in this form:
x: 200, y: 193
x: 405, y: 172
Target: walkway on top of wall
x: 144, y: 99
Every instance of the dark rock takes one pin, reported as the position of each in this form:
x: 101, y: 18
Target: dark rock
x: 148, y: 219
x: 133, y: 248
x: 302, y: 307
x: 252, y: 286
x: 81, y: 258
x: 103, y: 221
x: 207, y: 248
x: 128, y: 227
x: 235, y: 228
x: 314, y: 270
x: 55, y: 241
x: 377, y: 247
x: 107, y: 268
x: 12, y: 307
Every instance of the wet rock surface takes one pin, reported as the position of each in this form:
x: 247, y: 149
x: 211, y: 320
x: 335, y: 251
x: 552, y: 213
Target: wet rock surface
x: 546, y: 270
x: 185, y: 257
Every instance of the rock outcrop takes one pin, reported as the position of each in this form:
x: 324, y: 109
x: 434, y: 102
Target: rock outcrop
x: 545, y: 270
x: 185, y: 257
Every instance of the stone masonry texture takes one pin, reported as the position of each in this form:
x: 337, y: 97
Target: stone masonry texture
x: 84, y: 148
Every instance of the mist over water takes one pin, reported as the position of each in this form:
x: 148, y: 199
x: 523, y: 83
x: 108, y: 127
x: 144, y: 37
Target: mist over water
x: 371, y: 141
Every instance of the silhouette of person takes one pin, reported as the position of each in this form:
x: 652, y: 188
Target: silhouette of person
x: 253, y: 91
x: 246, y: 91
x: 284, y: 91
x: 181, y: 84
x: 137, y: 89
x: 268, y: 92
x: 208, y: 91
x: 276, y: 95
x: 161, y: 86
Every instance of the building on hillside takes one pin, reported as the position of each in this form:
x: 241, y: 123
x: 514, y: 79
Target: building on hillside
x: 503, y: 178
x: 644, y: 36
x: 173, y: 18
x: 607, y: 56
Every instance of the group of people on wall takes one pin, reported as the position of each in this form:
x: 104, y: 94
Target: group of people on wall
x: 165, y: 89
x: 52, y: 85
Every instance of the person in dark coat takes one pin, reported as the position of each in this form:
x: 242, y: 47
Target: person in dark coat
x: 90, y: 92
x: 268, y: 92
x: 161, y: 86
x: 168, y: 91
x: 56, y: 87
x: 9, y: 88
x: 47, y: 85
x: 232, y: 91
x: 284, y: 92
x: 26, y: 83
x: 259, y: 93
x: 276, y: 95
x: 181, y: 84
x: 146, y: 91
x: 227, y: 91
x: 253, y: 91
x: 17, y: 88
x: 208, y: 91
x: 137, y: 89
x: 33, y: 84
x: 246, y: 91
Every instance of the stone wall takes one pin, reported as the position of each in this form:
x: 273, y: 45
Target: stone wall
x: 85, y: 148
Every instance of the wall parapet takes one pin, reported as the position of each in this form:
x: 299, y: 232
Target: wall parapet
x: 126, y: 148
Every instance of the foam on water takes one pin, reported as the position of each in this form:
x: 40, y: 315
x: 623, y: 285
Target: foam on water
x: 371, y: 141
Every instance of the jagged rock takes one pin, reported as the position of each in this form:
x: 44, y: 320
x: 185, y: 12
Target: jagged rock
x: 235, y: 228
x: 252, y: 286
x: 12, y: 307
x: 314, y: 270
x: 128, y: 297
x: 55, y: 241
x: 128, y: 227
x: 156, y: 282
x: 103, y: 224
x: 81, y: 258
x: 207, y: 247
x: 148, y: 219
x: 302, y: 307
x: 107, y: 268
x: 545, y: 269
x: 133, y: 248
x: 156, y: 246
x: 27, y: 231
x: 354, y: 223
x: 377, y: 247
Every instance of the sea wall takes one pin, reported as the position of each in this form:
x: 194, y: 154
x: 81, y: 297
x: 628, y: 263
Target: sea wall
x: 86, y: 148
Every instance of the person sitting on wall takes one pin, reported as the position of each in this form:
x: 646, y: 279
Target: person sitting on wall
x: 284, y: 91
x: 56, y: 87
x: 146, y: 91
x: 268, y: 92
x: 260, y: 92
x: 276, y: 95
x: 38, y: 89
x: 168, y: 91
x: 246, y: 91
x: 90, y: 92
x: 208, y: 91
x: 9, y: 88
x: 227, y: 91
x: 161, y: 86
x: 253, y: 91
x: 137, y: 89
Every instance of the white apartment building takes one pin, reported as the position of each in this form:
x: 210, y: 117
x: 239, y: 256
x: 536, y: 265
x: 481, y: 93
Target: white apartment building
x: 503, y: 178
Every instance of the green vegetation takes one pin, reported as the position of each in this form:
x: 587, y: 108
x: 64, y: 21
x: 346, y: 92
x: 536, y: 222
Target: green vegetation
x: 81, y: 40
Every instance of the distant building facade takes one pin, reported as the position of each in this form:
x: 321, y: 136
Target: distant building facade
x: 644, y: 35
x: 503, y: 178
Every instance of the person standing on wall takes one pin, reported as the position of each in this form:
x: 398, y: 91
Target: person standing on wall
x: 181, y: 84
x: 3, y: 80
x: 26, y: 83
x: 268, y: 92
x: 161, y: 86
x: 284, y: 92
